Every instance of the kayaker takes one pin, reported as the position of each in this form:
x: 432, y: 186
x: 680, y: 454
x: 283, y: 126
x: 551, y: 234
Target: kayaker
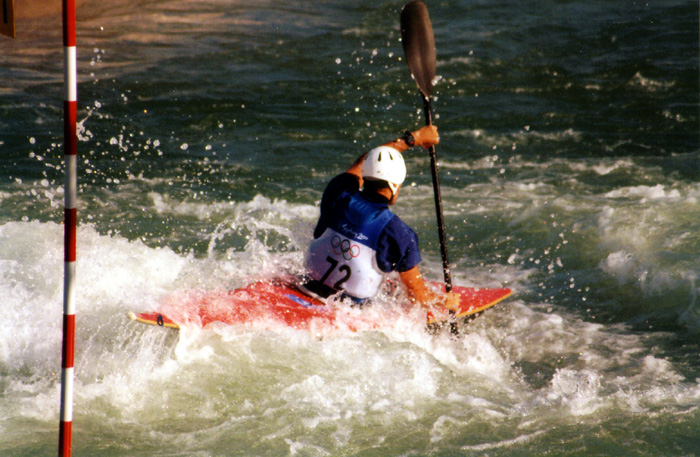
x: 358, y: 240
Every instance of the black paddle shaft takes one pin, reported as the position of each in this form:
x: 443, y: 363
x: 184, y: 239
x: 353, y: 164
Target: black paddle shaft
x: 419, y: 47
x: 442, y: 235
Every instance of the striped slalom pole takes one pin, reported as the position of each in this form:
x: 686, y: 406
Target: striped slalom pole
x: 70, y: 114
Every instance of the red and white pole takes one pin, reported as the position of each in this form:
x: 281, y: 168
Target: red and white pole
x: 70, y: 115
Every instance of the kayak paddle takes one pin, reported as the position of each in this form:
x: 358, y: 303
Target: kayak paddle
x: 419, y: 47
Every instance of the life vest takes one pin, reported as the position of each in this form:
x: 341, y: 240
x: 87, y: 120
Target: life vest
x: 344, y: 257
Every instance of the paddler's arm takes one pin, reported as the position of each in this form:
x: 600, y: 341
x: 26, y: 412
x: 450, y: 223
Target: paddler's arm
x: 425, y: 136
x: 420, y: 293
x: 356, y: 168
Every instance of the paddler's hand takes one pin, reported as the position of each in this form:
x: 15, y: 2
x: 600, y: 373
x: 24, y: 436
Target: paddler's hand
x: 451, y: 301
x: 426, y: 136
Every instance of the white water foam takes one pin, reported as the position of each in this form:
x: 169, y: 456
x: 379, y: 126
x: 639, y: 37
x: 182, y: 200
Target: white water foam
x: 332, y: 383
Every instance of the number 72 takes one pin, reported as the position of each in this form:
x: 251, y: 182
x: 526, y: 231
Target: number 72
x: 345, y: 269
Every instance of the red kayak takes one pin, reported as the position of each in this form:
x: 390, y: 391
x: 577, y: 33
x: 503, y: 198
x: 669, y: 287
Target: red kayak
x: 280, y: 302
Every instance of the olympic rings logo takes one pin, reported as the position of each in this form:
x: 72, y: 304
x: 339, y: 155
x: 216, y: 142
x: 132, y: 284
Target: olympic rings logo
x: 344, y: 248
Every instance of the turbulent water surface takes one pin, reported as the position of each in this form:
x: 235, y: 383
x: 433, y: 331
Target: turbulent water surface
x: 570, y: 172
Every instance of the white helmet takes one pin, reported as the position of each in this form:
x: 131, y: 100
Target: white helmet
x: 386, y: 164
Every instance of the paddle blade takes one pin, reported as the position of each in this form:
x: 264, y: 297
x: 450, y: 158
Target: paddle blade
x: 419, y: 44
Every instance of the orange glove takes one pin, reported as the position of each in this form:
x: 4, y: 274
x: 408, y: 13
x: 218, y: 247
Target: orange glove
x: 426, y: 297
x: 427, y: 136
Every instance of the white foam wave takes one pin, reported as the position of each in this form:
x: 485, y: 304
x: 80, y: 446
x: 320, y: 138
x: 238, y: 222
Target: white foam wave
x: 128, y: 371
x: 649, y: 84
x: 511, y: 141
x: 645, y: 193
